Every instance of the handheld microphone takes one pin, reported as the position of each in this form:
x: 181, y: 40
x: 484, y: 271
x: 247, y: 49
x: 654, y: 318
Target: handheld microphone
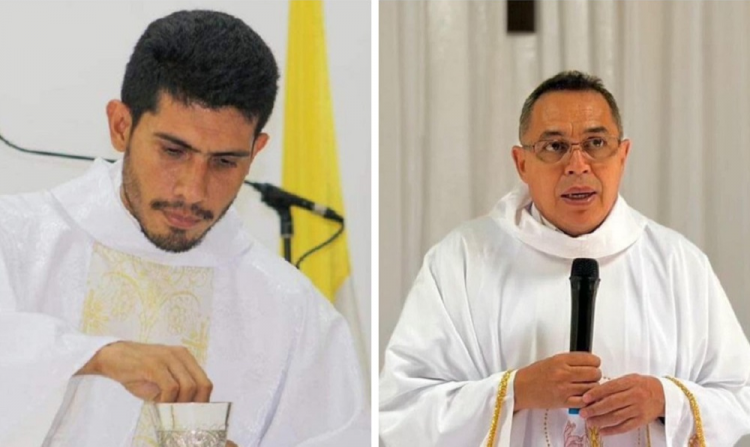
x: 276, y: 197
x: 584, y: 281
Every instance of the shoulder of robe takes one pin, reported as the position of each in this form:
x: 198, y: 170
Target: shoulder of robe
x: 477, y: 237
x: 283, y: 283
x: 673, y: 246
x: 22, y: 214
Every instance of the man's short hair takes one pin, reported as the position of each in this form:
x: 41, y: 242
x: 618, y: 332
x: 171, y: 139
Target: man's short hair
x: 568, y: 81
x: 206, y: 58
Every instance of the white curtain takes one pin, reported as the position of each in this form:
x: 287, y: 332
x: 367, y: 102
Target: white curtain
x: 452, y: 82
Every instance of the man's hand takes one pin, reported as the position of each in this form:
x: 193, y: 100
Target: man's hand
x: 231, y: 444
x: 556, y: 382
x: 623, y: 404
x: 152, y: 372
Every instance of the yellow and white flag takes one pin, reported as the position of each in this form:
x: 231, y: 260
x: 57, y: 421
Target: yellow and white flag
x: 310, y: 163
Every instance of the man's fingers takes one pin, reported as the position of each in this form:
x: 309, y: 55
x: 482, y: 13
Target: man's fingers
x: 608, y: 388
x: 580, y: 389
x: 168, y: 386
x: 187, y: 386
x: 586, y: 374
x: 574, y: 402
x: 203, y: 393
x: 624, y: 427
x: 203, y: 386
x: 575, y: 393
x: 582, y: 359
x: 606, y: 405
x: 611, y: 418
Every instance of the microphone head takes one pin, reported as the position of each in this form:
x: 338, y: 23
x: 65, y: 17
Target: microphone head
x: 585, y: 268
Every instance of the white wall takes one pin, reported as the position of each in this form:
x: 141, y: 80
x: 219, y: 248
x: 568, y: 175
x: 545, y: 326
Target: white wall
x: 60, y: 62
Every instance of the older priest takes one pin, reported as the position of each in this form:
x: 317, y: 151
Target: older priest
x: 137, y: 282
x: 479, y: 356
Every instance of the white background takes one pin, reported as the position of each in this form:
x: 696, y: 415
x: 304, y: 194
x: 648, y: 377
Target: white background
x: 61, y: 61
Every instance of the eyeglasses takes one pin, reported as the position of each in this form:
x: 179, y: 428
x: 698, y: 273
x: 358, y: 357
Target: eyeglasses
x: 596, y: 148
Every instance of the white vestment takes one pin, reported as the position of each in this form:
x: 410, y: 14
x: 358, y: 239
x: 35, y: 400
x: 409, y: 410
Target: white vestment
x: 494, y: 296
x: 76, y: 274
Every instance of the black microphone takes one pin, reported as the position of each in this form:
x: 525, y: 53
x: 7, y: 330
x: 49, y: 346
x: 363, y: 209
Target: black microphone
x: 584, y: 281
x: 276, y: 197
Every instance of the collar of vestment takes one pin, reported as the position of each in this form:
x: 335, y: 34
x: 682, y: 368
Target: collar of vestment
x: 622, y: 227
x: 536, y: 214
x: 93, y: 202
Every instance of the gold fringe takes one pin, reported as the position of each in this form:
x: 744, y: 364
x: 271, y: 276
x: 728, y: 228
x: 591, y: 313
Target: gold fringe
x: 502, y: 391
x: 594, y: 439
x: 698, y: 439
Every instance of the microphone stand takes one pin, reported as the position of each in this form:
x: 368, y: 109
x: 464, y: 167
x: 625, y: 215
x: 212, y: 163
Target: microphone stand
x: 287, y: 230
x: 284, y: 209
x: 282, y: 202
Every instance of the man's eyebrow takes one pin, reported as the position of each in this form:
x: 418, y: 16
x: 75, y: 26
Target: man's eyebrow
x: 557, y: 133
x: 175, y: 140
x: 598, y: 129
x: 185, y: 145
x: 551, y: 133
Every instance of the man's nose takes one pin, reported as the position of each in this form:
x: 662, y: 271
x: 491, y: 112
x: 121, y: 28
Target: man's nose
x: 192, y: 185
x: 578, y: 162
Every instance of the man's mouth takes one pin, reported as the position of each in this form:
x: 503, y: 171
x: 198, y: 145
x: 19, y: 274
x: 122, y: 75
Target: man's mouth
x: 181, y: 221
x: 180, y: 216
x: 578, y: 196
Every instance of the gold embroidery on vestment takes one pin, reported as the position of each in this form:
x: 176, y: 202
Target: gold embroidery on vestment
x: 146, y: 302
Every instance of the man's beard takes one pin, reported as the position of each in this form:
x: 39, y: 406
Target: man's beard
x: 176, y: 240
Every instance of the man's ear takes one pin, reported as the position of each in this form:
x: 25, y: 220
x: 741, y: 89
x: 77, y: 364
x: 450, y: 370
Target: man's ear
x: 120, y: 122
x: 626, y: 150
x: 260, y: 142
x: 519, y: 159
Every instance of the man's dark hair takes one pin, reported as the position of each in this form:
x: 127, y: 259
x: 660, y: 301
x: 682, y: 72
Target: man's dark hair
x: 206, y: 58
x: 568, y: 81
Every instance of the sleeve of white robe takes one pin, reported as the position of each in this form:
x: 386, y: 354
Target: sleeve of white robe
x: 321, y: 401
x: 38, y: 356
x: 434, y: 389
x: 713, y: 363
